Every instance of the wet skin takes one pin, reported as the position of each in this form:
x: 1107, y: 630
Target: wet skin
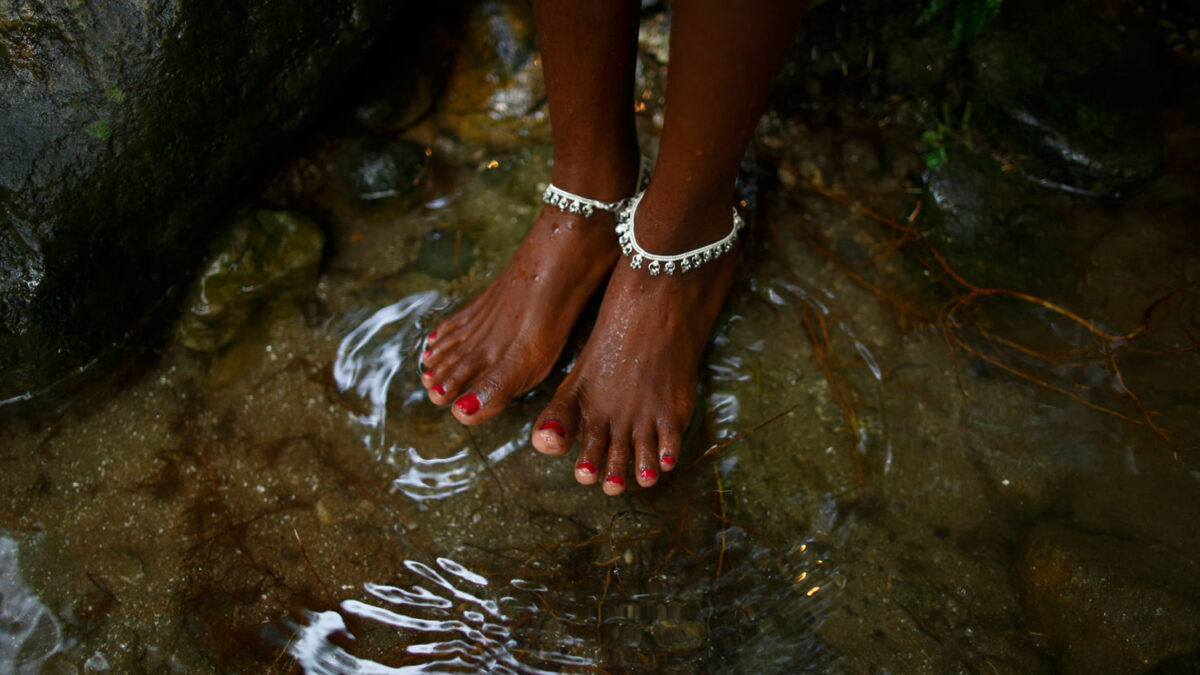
x: 631, y: 392
x: 508, y: 338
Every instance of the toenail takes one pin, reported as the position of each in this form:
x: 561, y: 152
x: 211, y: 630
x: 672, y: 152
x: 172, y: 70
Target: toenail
x: 428, y: 353
x: 433, y: 336
x: 648, y: 474
x: 554, y: 426
x: 469, y: 404
x: 615, y: 479
x: 429, y: 373
x: 668, y: 460
x: 586, y: 467
x: 438, y: 389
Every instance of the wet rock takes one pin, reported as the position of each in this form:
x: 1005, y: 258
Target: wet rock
x: 1071, y: 98
x: 410, y: 74
x: 445, y: 255
x: 373, y: 168
x: 994, y: 228
x: 127, y: 125
x: 267, y: 254
x: 496, y: 93
x: 1109, y: 604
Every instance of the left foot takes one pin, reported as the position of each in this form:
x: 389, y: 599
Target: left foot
x: 632, y: 390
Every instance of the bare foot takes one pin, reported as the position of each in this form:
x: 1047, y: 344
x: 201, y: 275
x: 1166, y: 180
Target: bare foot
x: 632, y: 391
x: 507, y: 339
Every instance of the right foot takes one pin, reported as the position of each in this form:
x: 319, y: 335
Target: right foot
x: 507, y: 339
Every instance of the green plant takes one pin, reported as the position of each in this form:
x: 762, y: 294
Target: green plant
x: 937, y: 137
x: 968, y: 20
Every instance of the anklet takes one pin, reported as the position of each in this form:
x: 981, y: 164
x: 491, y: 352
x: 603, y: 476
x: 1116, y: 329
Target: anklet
x: 573, y: 203
x: 667, y: 263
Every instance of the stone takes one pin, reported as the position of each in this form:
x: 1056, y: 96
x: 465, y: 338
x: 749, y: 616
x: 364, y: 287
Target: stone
x: 1072, y: 99
x: 128, y: 124
x: 1109, y: 604
x: 265, y: 255
x: 994, y: 228
x: 374, y: 168
x: 496, y: 96
x: 446, y: 255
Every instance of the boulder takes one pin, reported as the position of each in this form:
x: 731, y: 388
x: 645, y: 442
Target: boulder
x: 127, y: 126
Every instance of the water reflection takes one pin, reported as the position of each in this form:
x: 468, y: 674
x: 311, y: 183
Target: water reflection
x: 369, y: 359
x: 29, y: 631
x: 460, y: 623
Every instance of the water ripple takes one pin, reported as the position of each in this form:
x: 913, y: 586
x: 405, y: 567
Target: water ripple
x: 456, y: 625
x: 29, y: 631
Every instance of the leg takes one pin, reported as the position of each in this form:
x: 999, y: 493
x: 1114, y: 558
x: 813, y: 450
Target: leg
x: 632, y: 391
x: 506, y: 340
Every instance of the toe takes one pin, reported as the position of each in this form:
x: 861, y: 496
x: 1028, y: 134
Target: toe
x: 670, y: 441
x: 595, y: 444
x: 495, y: 390
x: 448, y: 384
x: 555, y: 429
x: 619, y: 453
x: 645, y: 450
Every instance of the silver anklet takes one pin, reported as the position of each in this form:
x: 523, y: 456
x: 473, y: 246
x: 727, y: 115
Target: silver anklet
x: 570, y: 202
x: 667, y: 263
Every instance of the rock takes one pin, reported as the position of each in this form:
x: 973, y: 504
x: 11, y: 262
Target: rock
x: 994, y: 228
x: 446, y: 255
x: 1072, y: 99
x: 1109, y: 604
x: 409, y: 75
x: 127, y: 126
x: 265, y: 255
x: 371, y: 169
x: 495, y: 96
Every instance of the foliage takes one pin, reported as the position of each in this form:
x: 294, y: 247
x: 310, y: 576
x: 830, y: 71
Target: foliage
x: 939, y: 136
x: 968, y: 19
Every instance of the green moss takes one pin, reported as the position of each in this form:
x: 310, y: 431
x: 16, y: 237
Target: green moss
x: 99, y: 129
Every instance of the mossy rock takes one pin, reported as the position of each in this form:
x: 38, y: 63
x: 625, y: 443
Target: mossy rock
x: 993, y: 227
x: 129, y: 125
x: 1072, y: 100
x: 265, y: 255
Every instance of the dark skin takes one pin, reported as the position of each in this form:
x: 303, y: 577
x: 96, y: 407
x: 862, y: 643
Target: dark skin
x: 631, y: 392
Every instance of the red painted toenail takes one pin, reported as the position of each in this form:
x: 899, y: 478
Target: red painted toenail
x: 429, y: 373
x: 648, y: 474
x: 554, y: 426
x: 469, y: 404
x: 438, y: 389
x: 615, y: 479
x: 433, y: 336
x: 428, y: 353
x: 586, y: 467
x: 668, y: 460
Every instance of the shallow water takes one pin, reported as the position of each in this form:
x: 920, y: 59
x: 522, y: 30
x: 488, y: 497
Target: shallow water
x: 872, y: 483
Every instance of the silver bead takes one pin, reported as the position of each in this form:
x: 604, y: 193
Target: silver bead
x: 653, y: 268
x: 686, y: 265
x: 636, y: 262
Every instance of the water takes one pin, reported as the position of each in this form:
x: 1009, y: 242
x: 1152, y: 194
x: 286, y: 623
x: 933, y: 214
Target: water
x: 872, y: 483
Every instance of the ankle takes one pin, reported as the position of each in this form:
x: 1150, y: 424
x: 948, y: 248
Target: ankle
x: 670, y: 223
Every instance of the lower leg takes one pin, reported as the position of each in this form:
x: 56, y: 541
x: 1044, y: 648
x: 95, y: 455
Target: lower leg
x: 724, y: 58
x: 589, y: 52
x: 506, y: 340
x: 632, y: 390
